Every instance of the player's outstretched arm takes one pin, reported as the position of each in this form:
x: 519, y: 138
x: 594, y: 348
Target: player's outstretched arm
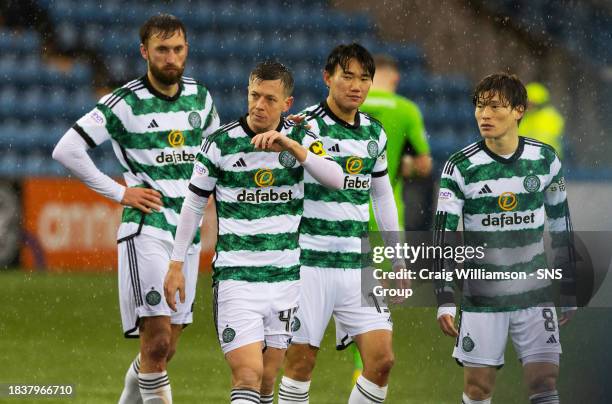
x: 327, y: 172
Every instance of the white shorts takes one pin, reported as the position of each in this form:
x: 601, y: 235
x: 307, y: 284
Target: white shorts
x: 143, y: 263
x: 248, y: 312
x: 483, y: 336
x: 337, y: 292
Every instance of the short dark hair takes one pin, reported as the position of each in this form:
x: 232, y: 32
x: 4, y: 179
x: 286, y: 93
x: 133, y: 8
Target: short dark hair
x: 342, y: 54
x: 270, y: 70
x: 383, y: 60
x: 162, y: 25
x: 508, y: 87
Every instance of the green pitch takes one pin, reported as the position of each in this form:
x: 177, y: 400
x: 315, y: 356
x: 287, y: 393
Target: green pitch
x: 65, y: 329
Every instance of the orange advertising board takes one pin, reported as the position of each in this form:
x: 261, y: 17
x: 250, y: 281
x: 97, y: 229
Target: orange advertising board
x: 67, y: 226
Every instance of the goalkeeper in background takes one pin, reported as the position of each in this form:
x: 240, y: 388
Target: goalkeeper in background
x: 408, y: 156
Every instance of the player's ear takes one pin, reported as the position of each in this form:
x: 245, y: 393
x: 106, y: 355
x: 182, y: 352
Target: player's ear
x: 326, y: 78
x: 518, y: 112
x: 288, y: 103
x: 143, y: 51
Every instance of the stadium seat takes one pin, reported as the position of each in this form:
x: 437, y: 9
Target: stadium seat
x: 11, y: 164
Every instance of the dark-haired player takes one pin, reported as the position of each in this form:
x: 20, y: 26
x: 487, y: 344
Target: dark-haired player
x: 156, y: 124
x: 505, y: 188
x: 331, y: 230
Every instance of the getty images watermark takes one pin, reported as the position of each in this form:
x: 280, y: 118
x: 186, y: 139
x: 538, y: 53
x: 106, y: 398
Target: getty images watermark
x: 487, y: 269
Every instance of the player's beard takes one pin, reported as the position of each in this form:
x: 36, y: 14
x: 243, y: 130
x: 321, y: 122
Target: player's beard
x: 167, y: 77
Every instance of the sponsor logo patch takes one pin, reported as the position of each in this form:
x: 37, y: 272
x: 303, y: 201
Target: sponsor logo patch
x: 200, y: 169
x: 445, y: 195
x: 507, y: 201
x: 264, y: 178
x: 354, y: 165
x: 98, y: 117
x: 176, y: 138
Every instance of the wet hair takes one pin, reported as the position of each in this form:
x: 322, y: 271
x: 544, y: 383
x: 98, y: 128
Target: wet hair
x: 341, y: 55
x: 161, y: 25
x: 270, y: 70
x: 508, y: 87
x: 384, y: 61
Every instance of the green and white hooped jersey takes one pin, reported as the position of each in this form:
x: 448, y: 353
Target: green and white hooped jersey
x: 259, y: 198
x: 156, y: 139
x: 504, y: 203
x: 335, y: 221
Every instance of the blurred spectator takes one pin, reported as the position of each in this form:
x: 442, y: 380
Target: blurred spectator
x: 542, y: 121
x: 408, y: 155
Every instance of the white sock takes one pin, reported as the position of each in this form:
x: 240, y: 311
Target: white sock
x: 131, y: 391
x: 155, y: 388
x: 547, y: 397
x: 366, y: 392
x: 267, y: 398
x: 292, y: 391
x: 467, y: 400
x: 244, y: 396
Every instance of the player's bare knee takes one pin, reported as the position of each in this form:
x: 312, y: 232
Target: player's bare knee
x: 248, y: 377
x: 300, y: 362
x: 478, y: 389
x: 542, y: 383
x: 386, y: 363
x: 157, y: 348
x: 381, y: 365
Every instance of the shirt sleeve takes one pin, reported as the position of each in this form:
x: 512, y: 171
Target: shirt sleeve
x: 201, y: 186
x: 206, y: 169
x: 450, y: 208
x: 94, y: 126
x: 560, y: 228
x: 212, y: 121
x: 71, y: 151
x: 309, y: 138
x: 380, y: 167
